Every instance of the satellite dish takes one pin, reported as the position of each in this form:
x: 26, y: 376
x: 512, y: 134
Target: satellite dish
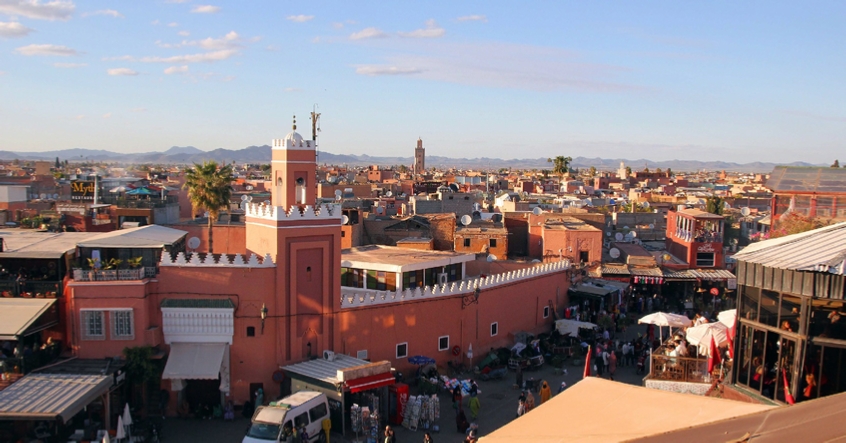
x: 536, y: 261
x: 646, y: 204
x: 193, y: 243
x: 633, y: 234
x: 244, y: 198
x: 626, y: 227
x: 43, y: 196
x: 744, y: 211
x: 667, y: 257
x: 344, y: 219
x: 55, y: 196
x: 608, y: 233
x: 267, y: 202
x: 249, y: 187
x: 618, y: 236
x: 338, y: 193
x: 466, y: 220
x: 726, y: 205
x: 453, y: 187
x: 389, y: 194
x: 537, y: 211
x: 651, y: 226
x: 497, y: 218
x: 614, y: 253
x: 491, y: 258
x: 249, y: 198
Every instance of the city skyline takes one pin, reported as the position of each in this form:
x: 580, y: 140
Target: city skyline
x: 660, y: 80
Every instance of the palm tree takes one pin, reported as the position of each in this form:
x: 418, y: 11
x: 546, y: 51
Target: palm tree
x: 561, y: 164
x: 715, y: 205
x: 209, y: 188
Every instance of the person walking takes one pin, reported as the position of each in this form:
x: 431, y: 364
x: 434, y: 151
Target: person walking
x: 456, y: 397
x: 545, y: 392
x: 389, y: 435
x: 427, y: 438
x: 597, y: 361
x: 612, y: 365
x: 475, y: 405
x: 530, y: 401
x: 604, y: 361
x: 519, y: 376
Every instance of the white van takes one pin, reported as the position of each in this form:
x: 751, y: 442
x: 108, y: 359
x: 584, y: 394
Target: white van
x: 275, y: 421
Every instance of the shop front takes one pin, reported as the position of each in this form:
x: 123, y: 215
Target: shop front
x: 356, y: 389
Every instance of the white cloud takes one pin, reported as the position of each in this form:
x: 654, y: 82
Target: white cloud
x: 184, y: 33
x: 338, y: 25
x: 138, y: 110
x: 172, y: 24
x: 432, y: 30
x: 107, y: 115
x: 228, y: 41
x: 63, y: 51
x: 367, y: 33
x: 213, y: 56
x: 121, y: 71
x: 109, y: 12
x: 51, y: 10
x: 473, y: 18
x: 13, y: 30
x: 70, y: 65
x: 176, y: 70
x: 155, y: 22
x: 374, y: 70
x: 78, y: 117
x: 272, y: 48
x: 205, y: 9
x: 299, y: 18
x: 177, y: 1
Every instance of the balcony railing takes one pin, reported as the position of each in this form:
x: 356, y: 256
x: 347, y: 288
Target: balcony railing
x: 31, y: 360
x: 679, y: 369
x: 31, y: 288
x: 114, y: 274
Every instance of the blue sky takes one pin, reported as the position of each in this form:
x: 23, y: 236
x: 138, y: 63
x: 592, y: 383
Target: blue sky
x: 757, y: 81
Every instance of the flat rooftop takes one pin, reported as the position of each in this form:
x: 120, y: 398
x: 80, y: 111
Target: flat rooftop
x: 394, y: 259
x: 25, y: 243
x: 568, y: 223
x: 697, y: 213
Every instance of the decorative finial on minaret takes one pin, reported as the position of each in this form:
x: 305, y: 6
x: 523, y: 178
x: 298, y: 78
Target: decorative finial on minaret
x: 295, y: 122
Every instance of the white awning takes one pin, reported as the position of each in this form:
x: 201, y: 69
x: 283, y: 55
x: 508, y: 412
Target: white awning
x: 50, y: 396
x: 18, y: 316
x: 194, y: 361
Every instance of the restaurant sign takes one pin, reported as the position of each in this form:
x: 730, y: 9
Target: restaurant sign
x: 82, y: 190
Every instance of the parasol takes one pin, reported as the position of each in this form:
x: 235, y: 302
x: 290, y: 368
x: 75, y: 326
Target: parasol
x: 701, y: 335
x: 421, y: 360
x: 665, y: 319
x: 728, y: 317
x: 571, y: 327
x: 140, y: 191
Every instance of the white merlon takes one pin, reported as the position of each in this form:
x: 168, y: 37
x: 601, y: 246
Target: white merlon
x: 359, y: 297
x: 239, y: 261
x: 269, y: 212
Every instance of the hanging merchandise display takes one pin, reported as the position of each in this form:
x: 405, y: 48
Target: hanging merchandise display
x: 365, y: 423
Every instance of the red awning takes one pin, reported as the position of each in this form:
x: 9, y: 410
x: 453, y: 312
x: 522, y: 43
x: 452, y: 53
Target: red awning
x: 372, y: 382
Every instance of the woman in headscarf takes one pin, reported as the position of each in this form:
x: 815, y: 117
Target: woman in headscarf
x: 530, y: 400
x: 475, y: 405
x: 545, y: 392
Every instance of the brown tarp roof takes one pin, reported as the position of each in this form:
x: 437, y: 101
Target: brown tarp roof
x: 599, y: 410
x: 819, y: 420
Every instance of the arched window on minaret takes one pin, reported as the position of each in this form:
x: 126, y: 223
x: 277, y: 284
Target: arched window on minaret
x: 301, y: 191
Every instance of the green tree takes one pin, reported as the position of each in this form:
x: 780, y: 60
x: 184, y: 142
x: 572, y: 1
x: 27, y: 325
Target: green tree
x: 561, y: 164
x: 209, y: 188
x: 669, y: 172
x: 628, y: 170
x: 592, y: 171
x: 715, y: 205
x: 836, y: 164
x: 658, y: 170
x: 58, y: 163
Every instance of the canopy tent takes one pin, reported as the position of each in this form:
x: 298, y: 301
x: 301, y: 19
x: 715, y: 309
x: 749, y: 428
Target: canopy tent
x: 20, y: 317
x: 638, y: 412
x: 194, y: 361
x: 50, y: 396
x: 571, y: 327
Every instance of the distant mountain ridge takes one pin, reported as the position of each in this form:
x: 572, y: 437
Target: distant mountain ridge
x: 261, y: 154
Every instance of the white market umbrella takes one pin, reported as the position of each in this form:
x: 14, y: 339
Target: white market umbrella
x: 106, y: 438
x: 118, y: 189
x: 120, y: 432
x: 728, y: 317
x: 665, y: 319
x: 701, y: 336
x: 127, y: 417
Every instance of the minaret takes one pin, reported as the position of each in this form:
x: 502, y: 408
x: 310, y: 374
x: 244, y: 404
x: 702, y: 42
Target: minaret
x: 293, y: 170
x: 419, y: 158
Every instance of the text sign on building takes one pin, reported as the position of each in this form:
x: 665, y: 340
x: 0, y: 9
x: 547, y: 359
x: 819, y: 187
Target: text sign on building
x: 82, y: 190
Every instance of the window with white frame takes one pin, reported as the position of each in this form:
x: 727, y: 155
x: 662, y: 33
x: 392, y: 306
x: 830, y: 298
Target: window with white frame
x: 122, y: 325
x: 92, y: 325
x: 494, y: 328
x: 443, y: 343
x: 402, y: 350
x: 546, y: 312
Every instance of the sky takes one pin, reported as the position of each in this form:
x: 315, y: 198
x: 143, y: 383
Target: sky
x: 735, y: 81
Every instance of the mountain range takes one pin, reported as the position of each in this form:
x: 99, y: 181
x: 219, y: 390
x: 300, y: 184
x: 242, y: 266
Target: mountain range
x: 261, y: 154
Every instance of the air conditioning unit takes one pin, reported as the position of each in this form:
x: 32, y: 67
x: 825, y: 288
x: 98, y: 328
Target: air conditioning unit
x: 329, y: 355
x: 442, y: 278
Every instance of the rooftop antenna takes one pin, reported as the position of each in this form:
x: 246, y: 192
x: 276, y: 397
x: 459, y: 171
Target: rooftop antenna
x: 315, y: 128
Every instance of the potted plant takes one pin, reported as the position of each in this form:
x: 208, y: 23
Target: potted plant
x: 110, y: 266
x: 93, y: 265
x: 135, y: 266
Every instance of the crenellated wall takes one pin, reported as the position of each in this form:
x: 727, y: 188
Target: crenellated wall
x: 278, y: 213
x: 238, y: 260
x: 358, y: 297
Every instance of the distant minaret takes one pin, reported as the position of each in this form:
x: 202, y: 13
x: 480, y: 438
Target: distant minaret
x: 419, y: 158
x: 622, y: 171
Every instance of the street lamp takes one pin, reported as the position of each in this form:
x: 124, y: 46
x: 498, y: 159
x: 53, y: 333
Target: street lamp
x: 263, y: 312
